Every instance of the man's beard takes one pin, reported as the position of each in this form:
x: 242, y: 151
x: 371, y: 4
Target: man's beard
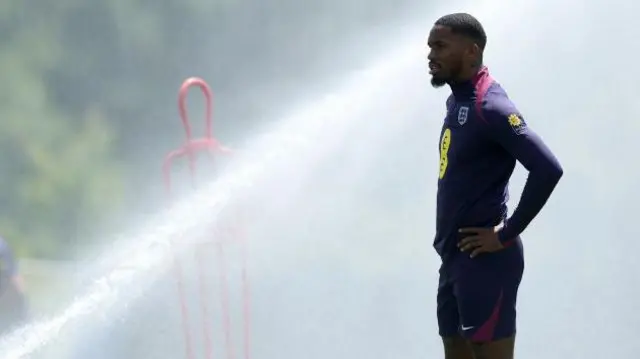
x: 438, y: 82
x: 448, y: 78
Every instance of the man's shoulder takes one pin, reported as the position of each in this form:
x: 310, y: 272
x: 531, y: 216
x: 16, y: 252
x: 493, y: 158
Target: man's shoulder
x: 496, y: 103
x: 500, y: 112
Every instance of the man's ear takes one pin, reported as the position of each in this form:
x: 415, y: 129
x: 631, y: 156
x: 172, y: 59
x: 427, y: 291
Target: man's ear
x: 475, y: 53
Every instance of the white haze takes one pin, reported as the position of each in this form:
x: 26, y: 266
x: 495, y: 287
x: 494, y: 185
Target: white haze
x: 342, y: 219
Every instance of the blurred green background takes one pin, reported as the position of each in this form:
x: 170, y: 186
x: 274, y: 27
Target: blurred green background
x: 88, y: 102
x: 89, y: 89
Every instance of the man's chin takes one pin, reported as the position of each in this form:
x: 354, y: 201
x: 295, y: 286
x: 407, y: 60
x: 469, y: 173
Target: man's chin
x: 438, y: 81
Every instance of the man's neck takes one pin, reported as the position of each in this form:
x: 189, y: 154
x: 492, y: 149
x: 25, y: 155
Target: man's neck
x: 467, y: 75
x: 465, y: 86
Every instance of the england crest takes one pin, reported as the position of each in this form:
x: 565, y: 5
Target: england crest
x: 463, y: 113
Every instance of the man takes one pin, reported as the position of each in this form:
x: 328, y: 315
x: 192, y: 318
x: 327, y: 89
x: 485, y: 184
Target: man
x: 13, y: 302
x: 482, y: 137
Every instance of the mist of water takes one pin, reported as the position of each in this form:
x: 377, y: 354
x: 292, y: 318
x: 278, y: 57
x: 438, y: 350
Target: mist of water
x: 311, y: 133
x: 335, y: 276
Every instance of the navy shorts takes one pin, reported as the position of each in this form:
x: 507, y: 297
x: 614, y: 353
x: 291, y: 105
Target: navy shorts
x: 477, y: 297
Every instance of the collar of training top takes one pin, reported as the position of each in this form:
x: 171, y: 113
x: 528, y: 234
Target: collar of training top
x: 467, y: 90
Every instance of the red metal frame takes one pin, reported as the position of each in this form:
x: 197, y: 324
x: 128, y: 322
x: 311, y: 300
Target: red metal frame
x: 189, y: 149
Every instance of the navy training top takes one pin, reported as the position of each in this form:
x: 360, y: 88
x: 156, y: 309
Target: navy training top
x: 482, y: 137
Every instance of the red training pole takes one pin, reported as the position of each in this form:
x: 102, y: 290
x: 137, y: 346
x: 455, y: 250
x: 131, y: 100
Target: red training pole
x: 189, y: 149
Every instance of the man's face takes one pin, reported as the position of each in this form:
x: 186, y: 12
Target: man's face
x: 447, y: 55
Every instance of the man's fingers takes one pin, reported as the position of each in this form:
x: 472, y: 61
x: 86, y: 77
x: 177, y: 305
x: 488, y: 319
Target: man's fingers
x: 471, y: 230
x: 468, y: 245
x: 477, y: 251
x: 467, y: 240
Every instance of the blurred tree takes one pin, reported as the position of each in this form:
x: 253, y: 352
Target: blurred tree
x: 59, y: 174
x: 88, y: 97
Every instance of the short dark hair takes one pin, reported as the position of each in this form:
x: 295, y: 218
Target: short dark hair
x: 466, y: 25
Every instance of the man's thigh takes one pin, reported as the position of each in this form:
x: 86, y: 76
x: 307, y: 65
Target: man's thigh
x: 477, y: 303
x: 455, y: 346
x: 486, y: 299
x: 447, y: 309
x: 498, y: 349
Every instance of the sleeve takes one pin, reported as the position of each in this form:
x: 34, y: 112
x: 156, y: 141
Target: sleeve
x: 508, y: 128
